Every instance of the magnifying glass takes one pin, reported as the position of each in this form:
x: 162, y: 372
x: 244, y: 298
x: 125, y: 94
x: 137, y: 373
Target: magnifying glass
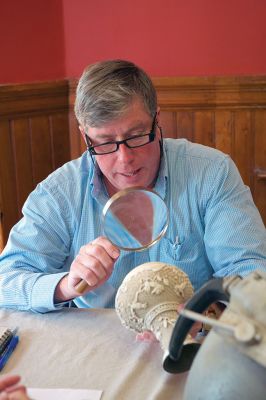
x: 134, y: 219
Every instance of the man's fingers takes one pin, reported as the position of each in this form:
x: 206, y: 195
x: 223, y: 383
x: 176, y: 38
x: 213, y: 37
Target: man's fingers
x: 8, y: 380
x: 146, y: 336
x: 16, y: 388
x: 94, y: 263
x: 91, y: 264
x: 10, y: 390
x: 105, y: 244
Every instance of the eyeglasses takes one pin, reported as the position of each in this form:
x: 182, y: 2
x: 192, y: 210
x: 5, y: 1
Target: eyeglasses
x: 132, y: 142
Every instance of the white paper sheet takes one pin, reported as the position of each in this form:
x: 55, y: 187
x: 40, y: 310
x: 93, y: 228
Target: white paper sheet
x: 64, y: 394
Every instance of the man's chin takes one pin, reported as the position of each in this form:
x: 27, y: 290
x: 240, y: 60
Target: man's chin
x: 127, y: 185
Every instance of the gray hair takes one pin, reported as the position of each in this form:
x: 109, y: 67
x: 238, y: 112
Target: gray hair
x: 107, y: 88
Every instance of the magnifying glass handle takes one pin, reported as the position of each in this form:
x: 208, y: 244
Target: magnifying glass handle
x: 81, y: 286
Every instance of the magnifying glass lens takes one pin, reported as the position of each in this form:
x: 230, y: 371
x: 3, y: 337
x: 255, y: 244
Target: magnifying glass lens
x: 135, y: 219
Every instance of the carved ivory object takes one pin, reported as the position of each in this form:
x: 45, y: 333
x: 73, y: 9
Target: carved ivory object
x: 149, y: 296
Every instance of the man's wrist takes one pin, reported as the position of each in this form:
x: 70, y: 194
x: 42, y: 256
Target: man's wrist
x: 62, y: 292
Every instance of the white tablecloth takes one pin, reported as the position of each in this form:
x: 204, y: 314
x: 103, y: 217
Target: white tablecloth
x: 90, y: 349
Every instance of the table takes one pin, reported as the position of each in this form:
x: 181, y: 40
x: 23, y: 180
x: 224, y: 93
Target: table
x: 88, y: 349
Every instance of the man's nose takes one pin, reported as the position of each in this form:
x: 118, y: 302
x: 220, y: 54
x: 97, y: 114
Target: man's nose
x: 125, y: 153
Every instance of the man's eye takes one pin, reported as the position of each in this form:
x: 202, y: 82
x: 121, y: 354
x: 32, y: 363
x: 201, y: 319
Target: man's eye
x: 105, y: 142
x: 136, y: 135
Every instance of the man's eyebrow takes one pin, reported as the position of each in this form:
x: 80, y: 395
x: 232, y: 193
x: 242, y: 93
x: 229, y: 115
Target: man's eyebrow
x: 109, y: 136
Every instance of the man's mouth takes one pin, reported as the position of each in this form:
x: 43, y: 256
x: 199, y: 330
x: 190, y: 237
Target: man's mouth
x: 130, y: 173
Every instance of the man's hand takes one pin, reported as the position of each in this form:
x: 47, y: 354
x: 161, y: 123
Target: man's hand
x: 11, y: 390
x: 93, y: 264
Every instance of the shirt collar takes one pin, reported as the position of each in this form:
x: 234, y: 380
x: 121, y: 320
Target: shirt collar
x: 160, y: 184
x: 98, y: 189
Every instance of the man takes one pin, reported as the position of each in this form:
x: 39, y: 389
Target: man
x: 215, y: 228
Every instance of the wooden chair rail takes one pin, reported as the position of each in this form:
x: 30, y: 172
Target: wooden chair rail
x: 261, y: 176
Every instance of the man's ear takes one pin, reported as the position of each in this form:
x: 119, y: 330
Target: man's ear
x: 85, y: 138
x: 82, y: 131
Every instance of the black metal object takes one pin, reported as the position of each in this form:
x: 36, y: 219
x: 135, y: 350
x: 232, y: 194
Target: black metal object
x: 181, y: 356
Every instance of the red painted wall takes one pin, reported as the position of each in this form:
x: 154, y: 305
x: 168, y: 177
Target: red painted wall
x: 168, y: 37
x: 31, y: 40
x: 50, y: 39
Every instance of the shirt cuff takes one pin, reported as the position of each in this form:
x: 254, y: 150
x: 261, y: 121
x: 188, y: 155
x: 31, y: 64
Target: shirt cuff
x: 42, y: 296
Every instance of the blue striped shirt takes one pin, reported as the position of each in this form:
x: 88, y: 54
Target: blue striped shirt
x: 215, y: 229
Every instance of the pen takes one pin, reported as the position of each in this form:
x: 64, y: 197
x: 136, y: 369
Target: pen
x: 8, y: 351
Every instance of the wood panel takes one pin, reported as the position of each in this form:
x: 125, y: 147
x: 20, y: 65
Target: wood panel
x: 259, y: 190
x: 9, y: 209
x: 203, y: 128
x: 243, y: 145
x: 184, y: 124
x: 228, y: 113
x: 224, y: 131
x: 39, y: 132
x: 34, y: 140
x: 21, y: 148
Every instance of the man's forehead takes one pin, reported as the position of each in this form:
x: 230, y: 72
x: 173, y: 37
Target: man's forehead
x: 114, y: 129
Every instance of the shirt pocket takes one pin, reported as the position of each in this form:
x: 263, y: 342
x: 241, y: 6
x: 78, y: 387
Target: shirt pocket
x: 186, y: 249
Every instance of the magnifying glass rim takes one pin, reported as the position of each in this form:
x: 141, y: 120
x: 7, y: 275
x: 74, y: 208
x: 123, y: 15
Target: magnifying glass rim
x: 122, y: 193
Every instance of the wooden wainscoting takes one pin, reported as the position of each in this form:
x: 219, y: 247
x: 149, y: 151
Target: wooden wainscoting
x: 36, y: 119
x: 228, y: 113
x: 34, y: 140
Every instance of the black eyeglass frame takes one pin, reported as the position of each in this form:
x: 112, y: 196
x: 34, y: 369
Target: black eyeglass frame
x: 151, y: 136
